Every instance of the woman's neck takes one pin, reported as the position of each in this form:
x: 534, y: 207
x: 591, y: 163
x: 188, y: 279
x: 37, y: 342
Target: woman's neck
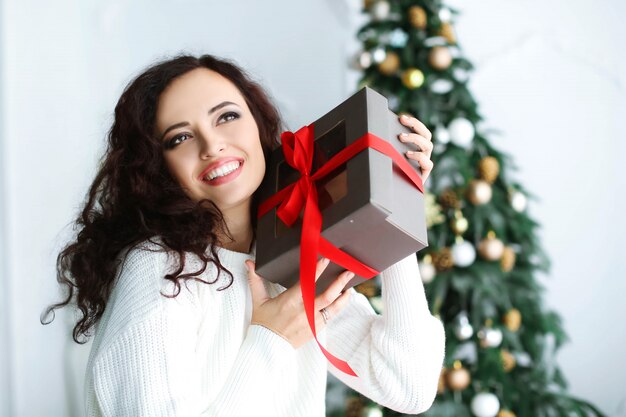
x: 240, y: 228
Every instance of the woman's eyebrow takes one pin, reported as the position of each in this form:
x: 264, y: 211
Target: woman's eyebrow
x: 181, y: 124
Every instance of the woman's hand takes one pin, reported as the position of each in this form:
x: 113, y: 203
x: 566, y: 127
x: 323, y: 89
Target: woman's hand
x: 285, y: 313
x: 422, y: 138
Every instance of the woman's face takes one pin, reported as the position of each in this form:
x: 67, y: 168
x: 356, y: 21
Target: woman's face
x: 210, y: 139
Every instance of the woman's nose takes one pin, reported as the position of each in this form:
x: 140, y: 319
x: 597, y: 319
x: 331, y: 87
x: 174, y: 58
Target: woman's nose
x: 211, y: 145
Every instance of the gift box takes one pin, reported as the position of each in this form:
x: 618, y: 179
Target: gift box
x: 370, y: 209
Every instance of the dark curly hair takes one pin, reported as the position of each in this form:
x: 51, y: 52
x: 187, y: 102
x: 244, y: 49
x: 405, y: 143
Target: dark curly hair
x: 134, y: 198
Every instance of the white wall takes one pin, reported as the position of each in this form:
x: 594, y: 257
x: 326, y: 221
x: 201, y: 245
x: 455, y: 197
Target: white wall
x: 549, y: 75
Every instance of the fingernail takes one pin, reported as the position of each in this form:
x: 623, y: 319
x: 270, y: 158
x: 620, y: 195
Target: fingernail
x: 410, y: 152
x: 405, y: 117
x: 350, y: 274
x: 325, y: 260
x: 404, y: 135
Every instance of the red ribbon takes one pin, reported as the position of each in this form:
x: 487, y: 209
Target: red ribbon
x: 298, y: 151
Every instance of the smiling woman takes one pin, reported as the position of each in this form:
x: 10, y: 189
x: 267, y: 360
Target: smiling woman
x: 186, y: 154
x: 215, y: 152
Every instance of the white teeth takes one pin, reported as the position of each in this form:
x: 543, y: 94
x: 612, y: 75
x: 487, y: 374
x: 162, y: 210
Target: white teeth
x: 223, y: 170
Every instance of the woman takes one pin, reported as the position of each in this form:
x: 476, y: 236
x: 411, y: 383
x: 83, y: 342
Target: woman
x: 173, y: 202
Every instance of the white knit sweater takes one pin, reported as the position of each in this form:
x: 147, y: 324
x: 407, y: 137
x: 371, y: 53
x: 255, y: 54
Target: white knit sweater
x: 197, y: 354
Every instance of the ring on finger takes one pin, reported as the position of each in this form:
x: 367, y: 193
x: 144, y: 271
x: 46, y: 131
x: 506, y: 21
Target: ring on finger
x: 325, y: 315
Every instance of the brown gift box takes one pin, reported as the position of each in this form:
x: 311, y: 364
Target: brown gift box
x: 370, y: 210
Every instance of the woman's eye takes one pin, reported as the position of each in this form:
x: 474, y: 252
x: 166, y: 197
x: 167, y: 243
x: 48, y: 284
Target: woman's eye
x: 176, y: 140
x: 229, y: 116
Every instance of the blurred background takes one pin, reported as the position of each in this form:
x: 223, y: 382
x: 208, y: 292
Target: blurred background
x: 549, y: 76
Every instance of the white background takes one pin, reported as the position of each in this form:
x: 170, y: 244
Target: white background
x: 550, y: 75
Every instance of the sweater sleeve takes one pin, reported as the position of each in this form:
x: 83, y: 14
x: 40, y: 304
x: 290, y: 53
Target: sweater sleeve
x: 398, y: 355
x: 152, y: 369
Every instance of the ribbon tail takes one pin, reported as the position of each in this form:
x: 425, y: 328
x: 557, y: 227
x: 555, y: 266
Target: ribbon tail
x: 341, y: 258
x: 309, y: 248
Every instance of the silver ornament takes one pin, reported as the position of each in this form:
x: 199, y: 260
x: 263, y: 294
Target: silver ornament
x: 490, y: 337
x: 398, y: 38
x: 463, y: 330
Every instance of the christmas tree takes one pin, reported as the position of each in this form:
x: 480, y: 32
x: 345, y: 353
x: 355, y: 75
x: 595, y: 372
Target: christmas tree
x: 480, y: 268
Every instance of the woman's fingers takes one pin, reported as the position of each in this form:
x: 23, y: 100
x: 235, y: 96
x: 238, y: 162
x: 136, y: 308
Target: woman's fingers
x: 333, y: 291
x: 417, y: 126
x: 422, y: 139
x: 425, y: 163
x: 422, y: 144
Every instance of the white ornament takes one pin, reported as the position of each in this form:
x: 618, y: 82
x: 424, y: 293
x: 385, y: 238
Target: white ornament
x: 427, y: 271
x: 393, y: 101
x: 379, y: 54
x: 435, y: 41
x: 373, y: 411
x: 364, y: 60
x: 490, y: 337
x: 444, y: 14
x: 380, y: 10
x: 518, y: 201
x: 460, y: 74
x: 441, y: 86
x: 442, y: 135
x: 377, y: 303
x: 461, y: 132
x: 463, y: 253
x: 485, y: 404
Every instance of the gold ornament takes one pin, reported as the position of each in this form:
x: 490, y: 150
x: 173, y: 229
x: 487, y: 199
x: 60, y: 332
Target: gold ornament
x: 354, y: 407
x: 433, y: 210
x: 447, y: 31
x: 367, y: 288
x: 505, y: 413
x: 491, y: 248
x: 412, y: 78
x: 459, y: 224
x: 507, y: 262
x: 449, y: 199
x: 479, y: 192
x: 440, y: 57
x: 508, y: 360
x: 488, y: 169
x: 512, y: 319
x: 443, y: 259
x: 390, y: 65
x: 417, y: 17
x: 458, y: 378
x: 441, y: 385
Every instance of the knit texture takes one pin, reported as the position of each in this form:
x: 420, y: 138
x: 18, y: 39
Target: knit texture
x: 197, y: 354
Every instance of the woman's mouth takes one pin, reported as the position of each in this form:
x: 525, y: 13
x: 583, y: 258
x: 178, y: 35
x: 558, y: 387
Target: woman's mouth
x: 224, y: 174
